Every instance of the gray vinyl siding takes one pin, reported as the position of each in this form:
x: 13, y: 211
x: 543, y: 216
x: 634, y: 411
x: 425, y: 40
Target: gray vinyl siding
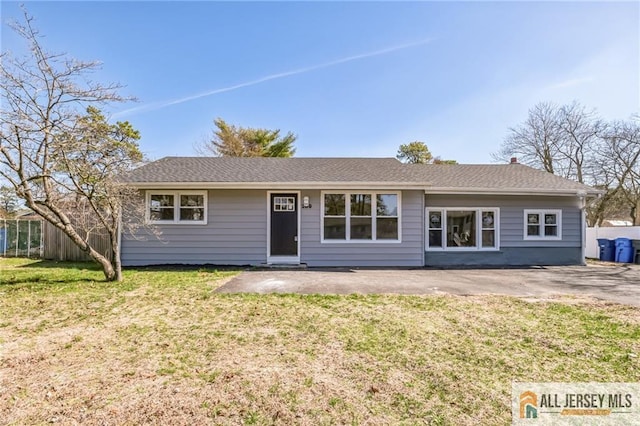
x: 514, y: 249
x: 235, y: 234
x: 408, y: 252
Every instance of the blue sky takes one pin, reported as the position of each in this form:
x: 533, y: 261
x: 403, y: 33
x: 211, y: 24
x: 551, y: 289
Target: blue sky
x: 350, y: 79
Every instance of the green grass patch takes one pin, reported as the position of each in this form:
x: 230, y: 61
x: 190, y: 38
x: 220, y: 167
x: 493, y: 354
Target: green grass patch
x: 163, y: 347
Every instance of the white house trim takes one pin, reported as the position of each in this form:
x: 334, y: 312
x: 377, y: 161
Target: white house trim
x: 273, y: 186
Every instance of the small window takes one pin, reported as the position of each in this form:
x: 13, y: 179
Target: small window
x: 435, y: 228
x: 192, y: 207
x: 176, y: 207
x: 161, y: 207
x: 284, y: 204
x: 542, y: 224
x: 488, y: 229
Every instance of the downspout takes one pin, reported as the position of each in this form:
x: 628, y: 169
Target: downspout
x: 582, y: 196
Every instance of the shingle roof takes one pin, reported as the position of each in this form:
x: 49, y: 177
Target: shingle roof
x: 261, y: 169
x: 260, y: 172
x: 486, y: 177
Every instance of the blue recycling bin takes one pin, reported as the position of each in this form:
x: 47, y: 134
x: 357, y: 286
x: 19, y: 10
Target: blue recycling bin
x: 607, y: 249
x: 624, y: 250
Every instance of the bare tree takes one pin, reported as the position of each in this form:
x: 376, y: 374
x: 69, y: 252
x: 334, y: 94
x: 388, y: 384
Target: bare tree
x: 58, y: 151
x: 9, y: 202
x: 573, y: 142
x: 536, y: 141
x: 579, y: 136
x: 620, y: 158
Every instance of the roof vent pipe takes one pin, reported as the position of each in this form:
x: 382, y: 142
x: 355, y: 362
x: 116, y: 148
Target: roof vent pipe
x: 514, y: 160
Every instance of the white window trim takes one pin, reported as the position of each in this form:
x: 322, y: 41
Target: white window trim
x: 374, y: 216
x: 176, y: 208
x: 541, y: 236
x: 443, y: 223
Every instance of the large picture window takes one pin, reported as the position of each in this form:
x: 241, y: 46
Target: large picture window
x: 360, y: 216
x: 542, y: 224
x: 169, y: 207
x: 462, y: 228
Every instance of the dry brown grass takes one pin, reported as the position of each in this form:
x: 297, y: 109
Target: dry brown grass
x: 163, y: 348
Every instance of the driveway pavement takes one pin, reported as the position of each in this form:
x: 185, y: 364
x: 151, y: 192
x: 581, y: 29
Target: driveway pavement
x: 619, y: 283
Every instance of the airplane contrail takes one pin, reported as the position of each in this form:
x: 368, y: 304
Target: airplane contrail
x: 162, y: 104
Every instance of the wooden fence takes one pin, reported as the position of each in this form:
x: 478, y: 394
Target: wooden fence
x: 57, y: 246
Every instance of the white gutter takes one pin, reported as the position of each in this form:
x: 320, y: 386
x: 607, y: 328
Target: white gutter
x: 519, y: 191
x: 420, y: 186
x: 281, y: 185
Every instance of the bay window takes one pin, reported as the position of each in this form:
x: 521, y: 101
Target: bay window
x: 360, y: 216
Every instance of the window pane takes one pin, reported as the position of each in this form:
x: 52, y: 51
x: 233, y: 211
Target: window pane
x: 387, y: 204
x: 435, y: 220
x: 360, y: 228
x: 533, y: 218
x: 551, y: 231
x: 361, y: 205
x: 461, y: 229
x: 334, y: 205
x: 435, y: 238
x: 550, y: 219
x: 284, y: 204
x: 335, y: 228
x: 192, y: 200
x: 191, y: 214
x: 488, y: 238
x: 387, y: 228
x: 533, y: 230
x: 488, y: 220
x: 161, y: 201
x: 161, y: 214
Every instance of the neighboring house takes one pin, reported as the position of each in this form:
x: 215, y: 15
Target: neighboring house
x: 355, y: 212
x: 616, y: 222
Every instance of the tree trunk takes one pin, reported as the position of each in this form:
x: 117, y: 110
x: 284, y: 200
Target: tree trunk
x: 115, y: 249
x: 635, y: 214
x: 61, y: 221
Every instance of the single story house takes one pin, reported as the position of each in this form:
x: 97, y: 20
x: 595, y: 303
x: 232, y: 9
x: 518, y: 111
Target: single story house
x: 355, y: 212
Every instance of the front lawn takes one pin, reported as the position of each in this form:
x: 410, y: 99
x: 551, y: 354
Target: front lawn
x: 163, y: 348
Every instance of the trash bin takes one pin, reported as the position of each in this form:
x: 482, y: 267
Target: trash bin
x: 624, y: 250
x: 607, y: 249
x: 636, y: 250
